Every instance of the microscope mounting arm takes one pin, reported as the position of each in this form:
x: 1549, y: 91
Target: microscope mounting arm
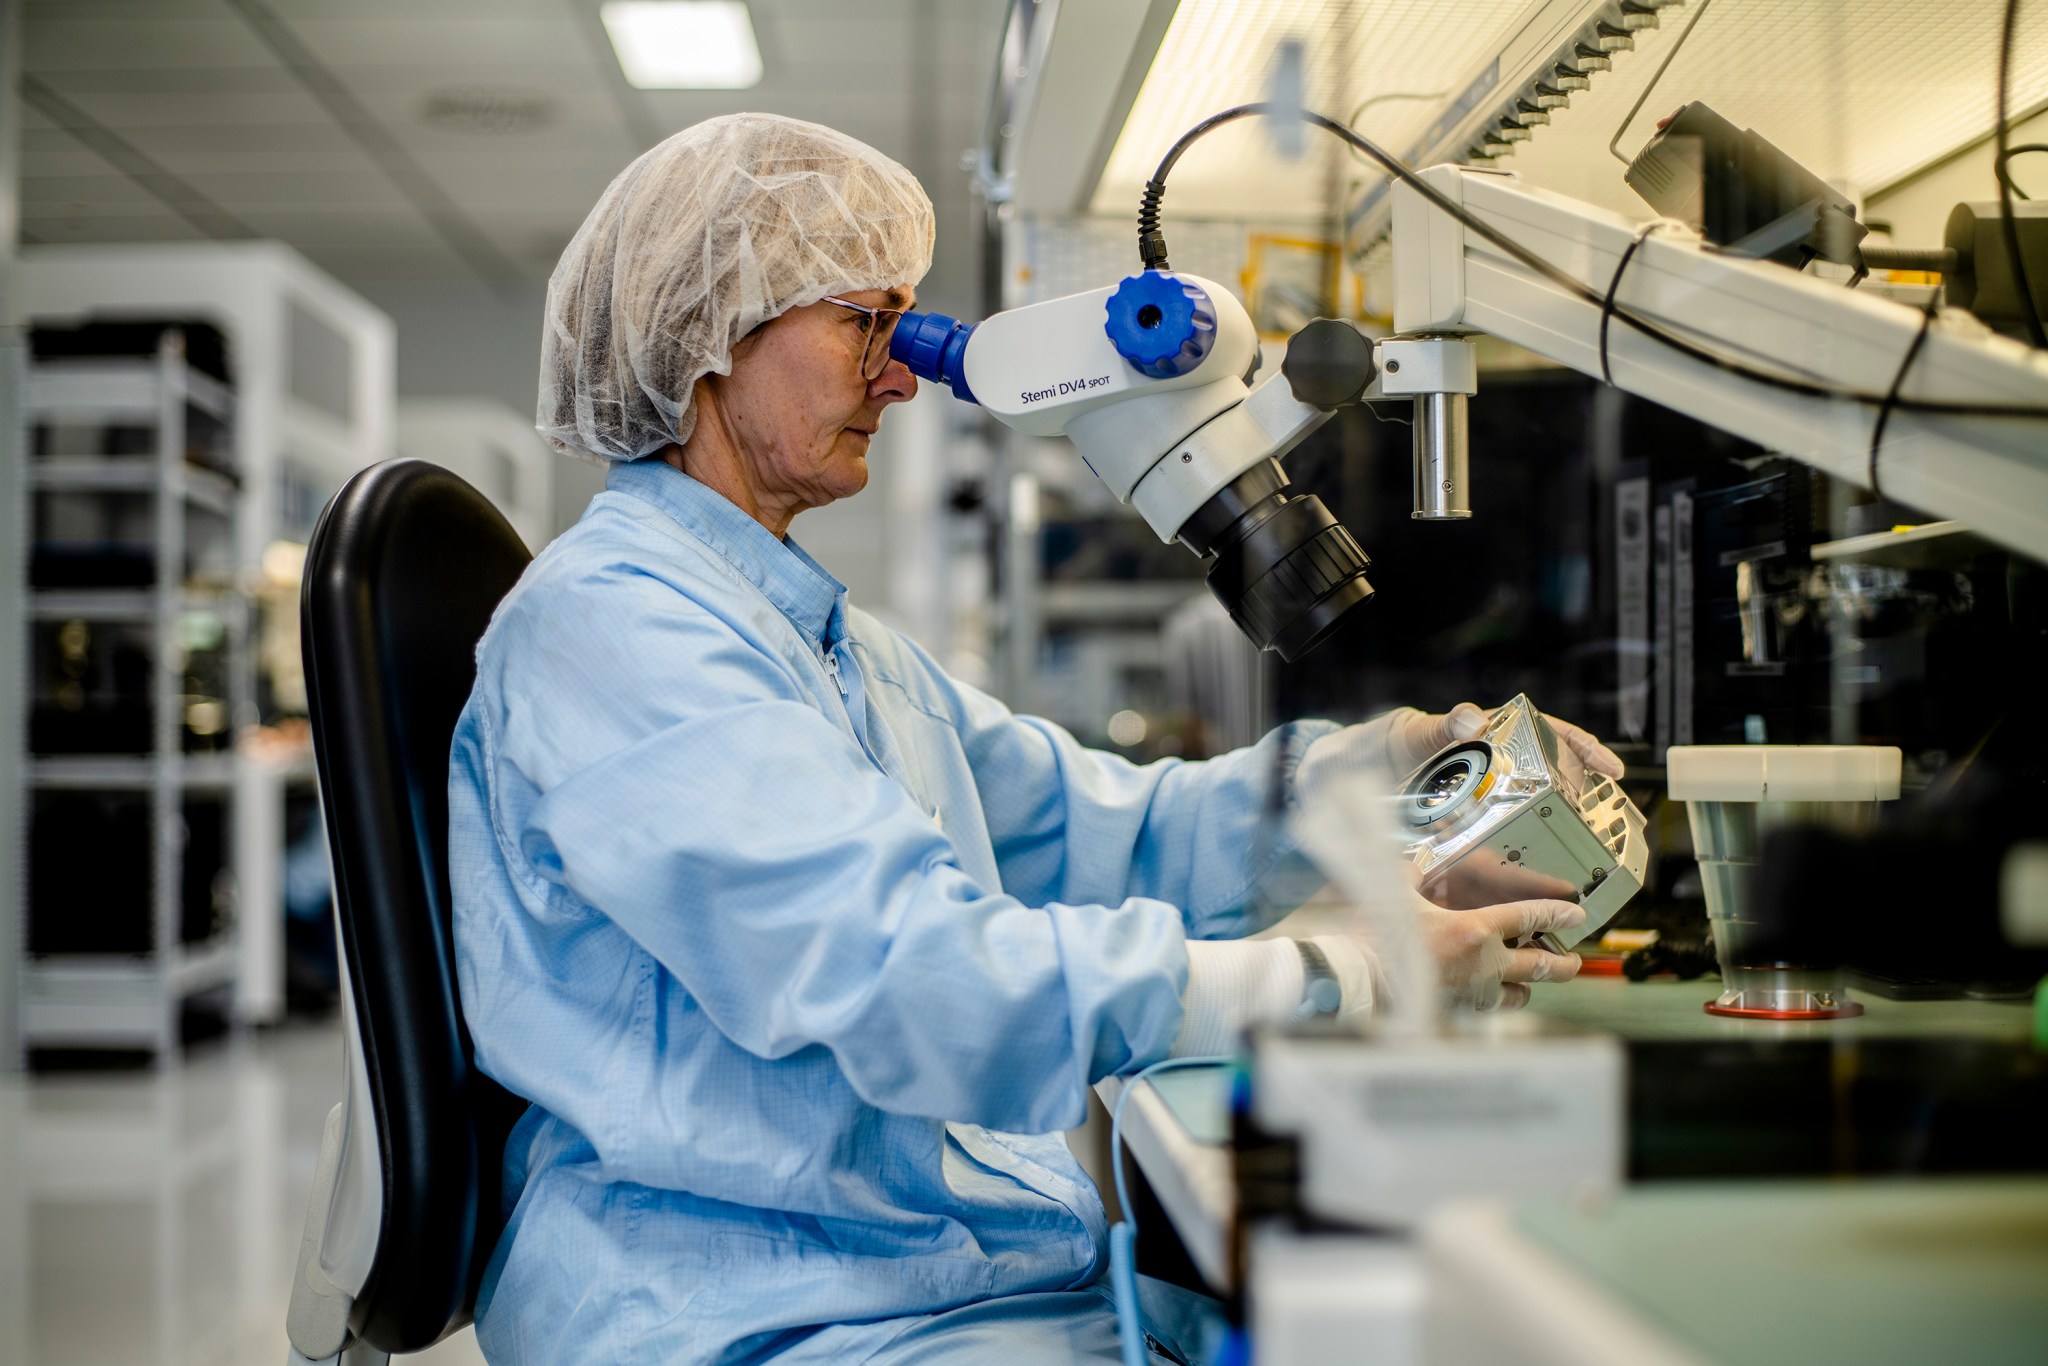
x: 1989, y: 471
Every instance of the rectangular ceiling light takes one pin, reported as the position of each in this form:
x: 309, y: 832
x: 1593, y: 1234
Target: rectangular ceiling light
x: 684, y: 44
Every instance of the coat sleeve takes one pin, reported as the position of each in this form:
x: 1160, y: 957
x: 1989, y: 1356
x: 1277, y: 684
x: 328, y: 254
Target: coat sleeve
x: 1071, y: 823
x: 685, y: 789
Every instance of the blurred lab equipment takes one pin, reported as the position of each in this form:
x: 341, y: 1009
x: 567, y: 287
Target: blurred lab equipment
x: 1736, y: 794
x: 1747, y: 197
x: 189, y: 406
x: 1742, y: 193
x: 1424, y: 1103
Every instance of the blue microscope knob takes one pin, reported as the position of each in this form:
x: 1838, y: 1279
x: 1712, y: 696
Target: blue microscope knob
x: 1161, y: 323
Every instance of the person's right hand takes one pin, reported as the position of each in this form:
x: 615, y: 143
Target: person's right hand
x: 1475, y: 956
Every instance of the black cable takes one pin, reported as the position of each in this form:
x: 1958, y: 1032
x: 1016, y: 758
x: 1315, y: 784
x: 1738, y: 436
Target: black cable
x: 1614, y: 289
x: 1614, y: 143
x: 1359, y: 112
x: 1152, y: 251
x: 2012, y: 227
x: 1151, y: 242
x: 1891, y: 397
x: 2004, y: 171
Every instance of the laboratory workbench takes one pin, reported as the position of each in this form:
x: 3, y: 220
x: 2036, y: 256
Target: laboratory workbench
x: 1907, y: 1088
x: 1876, y: 1273
x: 1668, y: 1011
x: 1696, y: 1261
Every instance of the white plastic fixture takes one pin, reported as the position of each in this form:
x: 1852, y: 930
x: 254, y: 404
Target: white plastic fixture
x: 1784, y: 773
x: 684, y: 44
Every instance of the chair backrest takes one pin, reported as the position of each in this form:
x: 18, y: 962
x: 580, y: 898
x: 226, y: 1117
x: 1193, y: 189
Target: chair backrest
x: 404, y: 570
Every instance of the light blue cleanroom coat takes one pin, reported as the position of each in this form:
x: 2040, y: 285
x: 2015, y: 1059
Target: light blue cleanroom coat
x: 804, y: 952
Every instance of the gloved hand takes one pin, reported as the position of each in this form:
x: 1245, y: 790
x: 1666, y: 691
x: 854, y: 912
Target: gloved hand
x: 1397, y: 742
x: 1476, y: 958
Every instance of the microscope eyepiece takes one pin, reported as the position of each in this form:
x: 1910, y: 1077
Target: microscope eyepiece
x: 934, y: 346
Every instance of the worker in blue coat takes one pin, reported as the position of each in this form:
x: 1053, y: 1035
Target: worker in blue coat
x: 803, y: 952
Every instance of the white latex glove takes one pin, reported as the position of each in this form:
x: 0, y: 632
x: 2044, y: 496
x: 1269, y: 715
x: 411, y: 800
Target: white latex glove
x: 1396, y: 743
x: 1475, y: 954
x: 1235, y: 985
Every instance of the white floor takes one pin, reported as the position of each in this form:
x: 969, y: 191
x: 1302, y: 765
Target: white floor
x: 151, y: 1218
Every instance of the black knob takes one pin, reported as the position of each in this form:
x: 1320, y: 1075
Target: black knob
x: 1329, y: 363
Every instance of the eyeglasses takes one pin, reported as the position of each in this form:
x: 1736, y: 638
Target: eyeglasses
x: 878, y: 327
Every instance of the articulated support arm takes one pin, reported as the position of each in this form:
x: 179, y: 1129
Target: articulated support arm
x: 1988, y: 471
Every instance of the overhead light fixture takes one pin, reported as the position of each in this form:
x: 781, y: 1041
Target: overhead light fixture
x: 684, y: 44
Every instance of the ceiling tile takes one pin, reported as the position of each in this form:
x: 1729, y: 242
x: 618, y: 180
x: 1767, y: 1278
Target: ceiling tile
x: 857, y: 48
x: 395, y: 225
x: 453, y: 44
x: 230, y: 144
x: 892, y: 14
x: 175, y: 80
x: 375, y: 261
x: 68, y: 44
x: 193, y: 88
x: 237, y: 191
x: 54, y: 152
x: 150, y: 225
x: 85, y: 195
x: 39, y: 12
x: 297, y: 11
x: 127, y: 109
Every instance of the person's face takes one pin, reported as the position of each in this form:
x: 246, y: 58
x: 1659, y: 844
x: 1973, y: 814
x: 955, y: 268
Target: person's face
x: 797, y: 407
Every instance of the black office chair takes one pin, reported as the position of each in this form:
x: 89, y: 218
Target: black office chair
x: 405, y: 568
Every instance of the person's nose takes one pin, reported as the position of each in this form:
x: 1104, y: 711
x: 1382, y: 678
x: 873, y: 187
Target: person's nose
x: 894, y: 384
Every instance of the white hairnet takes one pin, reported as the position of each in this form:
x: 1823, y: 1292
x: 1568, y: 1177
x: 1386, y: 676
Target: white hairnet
x: 729, y: 223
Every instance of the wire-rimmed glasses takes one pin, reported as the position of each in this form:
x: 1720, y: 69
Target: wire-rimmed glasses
x: 880, y: 327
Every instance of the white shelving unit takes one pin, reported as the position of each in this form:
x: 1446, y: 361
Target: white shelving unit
x: 494, y: 448
x: 313, y: 401
x: 117, y: 996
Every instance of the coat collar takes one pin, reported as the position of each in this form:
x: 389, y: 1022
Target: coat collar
x: 784, y: 572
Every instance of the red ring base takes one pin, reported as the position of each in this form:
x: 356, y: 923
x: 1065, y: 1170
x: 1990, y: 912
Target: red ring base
x: 1846, y: 1012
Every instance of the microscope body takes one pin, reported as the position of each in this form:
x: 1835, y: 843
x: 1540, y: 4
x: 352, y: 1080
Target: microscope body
x: 1148, y: 379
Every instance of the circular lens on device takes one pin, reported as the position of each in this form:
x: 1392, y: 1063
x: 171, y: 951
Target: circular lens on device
x: 1444, y: 784
x: 1448, y: 784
